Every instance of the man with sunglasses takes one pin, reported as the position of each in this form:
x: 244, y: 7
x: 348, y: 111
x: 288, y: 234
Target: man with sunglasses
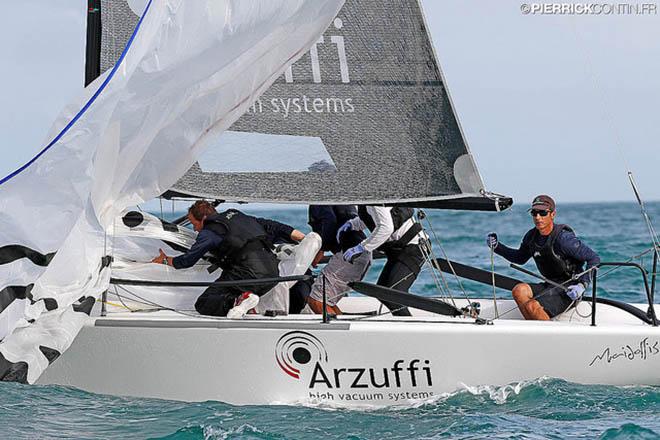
x: 559, y: 255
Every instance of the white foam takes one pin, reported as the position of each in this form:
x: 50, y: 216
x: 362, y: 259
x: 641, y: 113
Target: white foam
x: 500, y: 394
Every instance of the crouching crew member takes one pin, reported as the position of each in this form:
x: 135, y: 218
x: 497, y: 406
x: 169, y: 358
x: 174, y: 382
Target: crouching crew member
x: 335, y: 276
x: 394, y: 232
x: 559, y: 256
x: 241, y: 245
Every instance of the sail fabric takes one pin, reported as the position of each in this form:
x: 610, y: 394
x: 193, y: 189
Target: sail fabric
x: 188, y: 71
x: 371, y: 90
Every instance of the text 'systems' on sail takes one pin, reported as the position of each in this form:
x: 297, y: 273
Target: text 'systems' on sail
x: 364, y: 117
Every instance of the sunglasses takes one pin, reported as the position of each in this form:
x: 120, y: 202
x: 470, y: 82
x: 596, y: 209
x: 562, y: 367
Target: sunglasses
x: 541, y: 212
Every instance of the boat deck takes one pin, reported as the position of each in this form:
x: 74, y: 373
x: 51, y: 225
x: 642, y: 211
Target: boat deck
x: 358, y: 310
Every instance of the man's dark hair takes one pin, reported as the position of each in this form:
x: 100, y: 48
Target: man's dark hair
x: 201, y: 209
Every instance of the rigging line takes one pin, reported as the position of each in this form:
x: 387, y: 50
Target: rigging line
x: 436, y: 275
x: 577, y: 310
x: 645, y: 215
x: 428, y: 259
x: 607, y: 118
x: 446, y: 257
x: 120, y: 300
x: 617, y: 268
x: 140, y: 300
x: 112, y: 304
x: 604, y: 101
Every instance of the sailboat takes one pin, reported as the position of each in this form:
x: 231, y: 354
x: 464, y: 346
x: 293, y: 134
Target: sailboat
x: 367, y: 102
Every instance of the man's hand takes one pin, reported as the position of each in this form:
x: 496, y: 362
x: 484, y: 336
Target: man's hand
x: 160, y: 258
x: 491, y: 240
x: 354, y: 252
x: 345, y: 227
x: 296, y: 235
x: 574, y: 292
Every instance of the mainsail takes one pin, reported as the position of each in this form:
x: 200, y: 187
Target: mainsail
x: 364, y: 117
x: 186, y: 72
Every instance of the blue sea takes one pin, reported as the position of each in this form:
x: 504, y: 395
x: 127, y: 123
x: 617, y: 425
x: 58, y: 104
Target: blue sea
x: 544, y: 408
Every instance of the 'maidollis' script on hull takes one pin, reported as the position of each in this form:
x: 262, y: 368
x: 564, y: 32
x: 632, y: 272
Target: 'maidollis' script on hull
x: 637, y: 352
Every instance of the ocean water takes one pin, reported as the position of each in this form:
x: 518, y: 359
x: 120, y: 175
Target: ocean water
x: 539, y: 409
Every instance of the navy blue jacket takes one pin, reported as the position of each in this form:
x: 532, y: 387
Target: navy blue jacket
x: 207, y: 240
x: 566, y: 245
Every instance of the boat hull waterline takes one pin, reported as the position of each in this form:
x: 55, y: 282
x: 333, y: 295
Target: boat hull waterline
x: 344, y: 363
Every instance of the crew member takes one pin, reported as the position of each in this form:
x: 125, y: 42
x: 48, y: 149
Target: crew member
x: 560, y: 257
x: 394, y: 232
x: 241, y: 246
x: 337, y: 273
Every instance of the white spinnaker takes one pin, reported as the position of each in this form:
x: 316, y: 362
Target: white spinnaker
x: 191, y: 69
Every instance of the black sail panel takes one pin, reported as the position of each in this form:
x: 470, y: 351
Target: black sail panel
x: 363, y: 118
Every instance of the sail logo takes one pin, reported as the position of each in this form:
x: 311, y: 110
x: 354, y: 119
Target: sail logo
x: 297, y: 348
x: 339, y: 44
x: 329, y: 62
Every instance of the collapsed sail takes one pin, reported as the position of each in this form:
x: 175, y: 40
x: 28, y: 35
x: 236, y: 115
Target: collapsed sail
x: 364, y: 117
x: 188, y: 71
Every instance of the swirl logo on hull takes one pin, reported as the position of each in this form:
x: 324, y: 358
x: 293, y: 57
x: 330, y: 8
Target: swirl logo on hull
x: 298, y: 348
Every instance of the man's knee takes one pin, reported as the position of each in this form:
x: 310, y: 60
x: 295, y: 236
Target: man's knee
x: 522, y: 292
x: 316, y: 306
x: 214, y: 303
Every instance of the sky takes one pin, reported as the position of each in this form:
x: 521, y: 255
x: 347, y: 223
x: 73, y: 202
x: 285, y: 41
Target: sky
x: 548, y: 103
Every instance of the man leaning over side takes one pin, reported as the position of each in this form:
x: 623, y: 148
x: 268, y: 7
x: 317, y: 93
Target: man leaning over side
x: 241, y: 246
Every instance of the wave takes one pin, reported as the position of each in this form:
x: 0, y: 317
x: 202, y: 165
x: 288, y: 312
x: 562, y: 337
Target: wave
x: 537, y: 408
x: 629, y: 431
x: 212, y: 432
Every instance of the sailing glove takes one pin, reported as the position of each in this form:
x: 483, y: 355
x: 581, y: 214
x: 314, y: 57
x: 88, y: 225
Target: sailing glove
x: 574, y: 292
x: 345, y: 227
x: 352, y: 253
x: 491, y: 240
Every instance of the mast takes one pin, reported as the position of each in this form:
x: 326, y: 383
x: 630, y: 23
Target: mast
x: 93, y: 47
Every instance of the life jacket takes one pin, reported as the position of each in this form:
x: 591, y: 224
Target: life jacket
x: 242, y: 236
x: 552, y: 265
x: 400, y: 215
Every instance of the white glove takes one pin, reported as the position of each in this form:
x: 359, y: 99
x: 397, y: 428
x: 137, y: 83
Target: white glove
x: 575, y: 291
x: 345, y: 227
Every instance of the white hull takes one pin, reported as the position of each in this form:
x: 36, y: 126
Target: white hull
x: 170, y: 356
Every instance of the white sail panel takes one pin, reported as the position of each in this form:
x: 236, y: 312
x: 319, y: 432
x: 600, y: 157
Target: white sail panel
x: 189, y: 70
